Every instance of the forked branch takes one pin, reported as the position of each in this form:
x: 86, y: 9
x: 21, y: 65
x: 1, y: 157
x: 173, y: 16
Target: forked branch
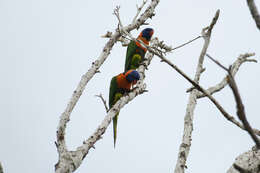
x: 234, y: 69
x: 240, y: 107
x: 103, y: 101
x: 69, y: 161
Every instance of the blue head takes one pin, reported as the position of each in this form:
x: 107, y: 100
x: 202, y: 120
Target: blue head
x: 147, y: 33
x: 132, y: 76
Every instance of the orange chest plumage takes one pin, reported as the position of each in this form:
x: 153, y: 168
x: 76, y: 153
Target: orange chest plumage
x: 122, y: 82
x: 144, y: 41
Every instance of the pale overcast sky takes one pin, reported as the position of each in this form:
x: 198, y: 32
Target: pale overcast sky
x: 45, y: 48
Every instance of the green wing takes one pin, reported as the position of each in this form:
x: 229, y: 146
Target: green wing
x: 114, y: 95
x: 131, y: 49
x: 112, y: 91
x: 136, y: 60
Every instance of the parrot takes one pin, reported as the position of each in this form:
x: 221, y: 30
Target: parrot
x: 120, y: 85
x: 135, y: 51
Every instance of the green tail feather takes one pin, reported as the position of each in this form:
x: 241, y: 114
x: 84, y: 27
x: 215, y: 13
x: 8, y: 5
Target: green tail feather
x: 117, y: 96
x: 115, y: 128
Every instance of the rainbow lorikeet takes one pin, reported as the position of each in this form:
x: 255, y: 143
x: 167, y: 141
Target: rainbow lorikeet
x: 120, y: 85
x: 135, y: 51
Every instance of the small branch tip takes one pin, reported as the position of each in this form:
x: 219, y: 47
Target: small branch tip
x: 103, y: 100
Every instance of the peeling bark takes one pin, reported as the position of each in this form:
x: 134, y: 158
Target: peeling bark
x: 69, y: 161
x: 188, y: 120
x: 248, y: 162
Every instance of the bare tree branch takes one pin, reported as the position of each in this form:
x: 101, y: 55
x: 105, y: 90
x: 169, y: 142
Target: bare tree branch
x: 139, y: 9
x: 247, y: 162
x: 164, y: 46
x: 194, y: 83
x: 66, y: 162
x: 81, y: 152
x: 240, y: 109
x: 104, y: 101
x: 184, y: 148
x: 73, y: 159
x: 184, y: 44
x: 123, y: 41
x: 254, y: 12
x: 218, y: 63
x: 240, y: 169
x: 235, y: 67
x: 207, y: 94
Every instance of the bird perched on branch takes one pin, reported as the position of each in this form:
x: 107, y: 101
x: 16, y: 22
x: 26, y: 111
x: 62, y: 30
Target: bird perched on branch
x: 135, y: 51
x: 120, y: 85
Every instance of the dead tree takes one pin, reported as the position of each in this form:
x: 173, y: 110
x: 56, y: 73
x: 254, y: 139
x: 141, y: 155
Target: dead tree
x: 69, y: 160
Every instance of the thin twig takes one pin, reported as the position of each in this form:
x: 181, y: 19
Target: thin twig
x: 235, y: 67
x: 139, y: 89
x: 184, y: 44
x: 240, y: 109
x: 103, y: 100
x: 116, y: 13
x: 122, y: 39
x: 214, y: 21
x: 200, y: 88
x: 153, y: 49
x: 254, y: 12
x: 212, y: 59
x: 67, y: 162
x: 139, y: 9
x: 184, y: 148
x: 160, y: 55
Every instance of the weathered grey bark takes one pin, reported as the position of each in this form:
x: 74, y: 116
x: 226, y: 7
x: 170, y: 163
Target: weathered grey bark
x: 69, y: 161
x: 240, y: 107
x: 207, y: 94
x: 242, y: 58
x: 241, y: 110
x: 188, y: 124
x: 139, y: 89
x: 188, y: 119
x: 234, y: 69
x: 254, y: 12
x: 248, y: 162
x: 75, y: 158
